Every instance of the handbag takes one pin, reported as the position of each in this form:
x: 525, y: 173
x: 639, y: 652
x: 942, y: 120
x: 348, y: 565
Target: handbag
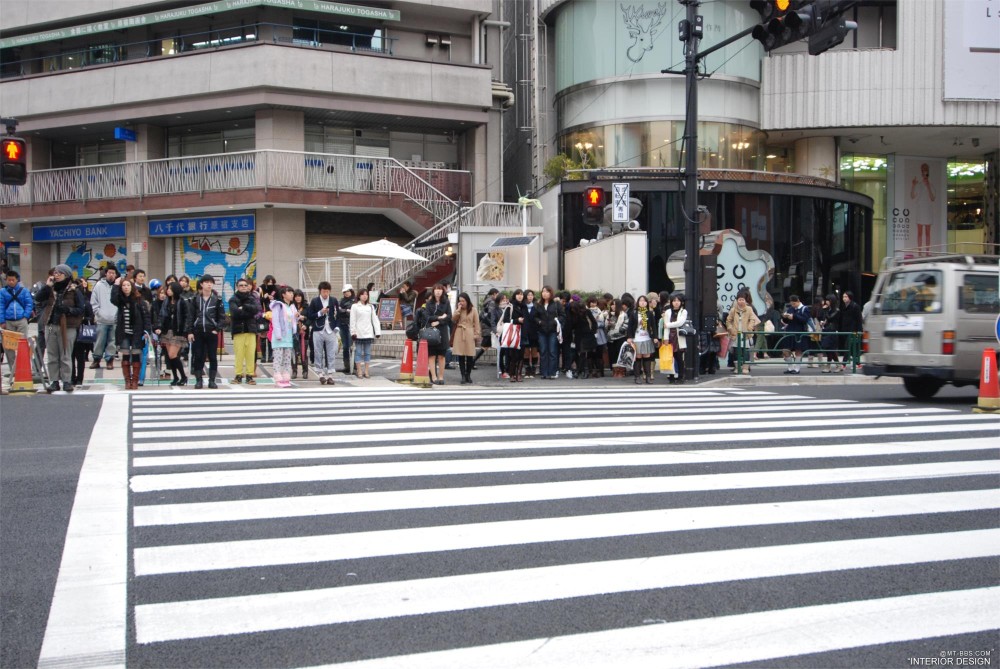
x: 511, y: 336
x: 431, y: 335
x: 87, y: 334
x: 413, y: 331
x: 687, y: 329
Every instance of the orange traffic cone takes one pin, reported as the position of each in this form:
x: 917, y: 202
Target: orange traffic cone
x: 421, y: 376
x: 23, y: 383
x: 989, y: 385
x: 406, y: 366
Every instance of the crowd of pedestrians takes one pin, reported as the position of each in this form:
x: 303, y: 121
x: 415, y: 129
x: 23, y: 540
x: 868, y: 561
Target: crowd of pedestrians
x: 544, y: 335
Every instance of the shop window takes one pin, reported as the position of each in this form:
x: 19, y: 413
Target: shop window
x: 100, y: 153
x: 210, y: 142
x: 966, y: 204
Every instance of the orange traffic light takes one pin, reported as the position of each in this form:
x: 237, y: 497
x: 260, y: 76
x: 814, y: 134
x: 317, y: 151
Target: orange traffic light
x: 13, y: 161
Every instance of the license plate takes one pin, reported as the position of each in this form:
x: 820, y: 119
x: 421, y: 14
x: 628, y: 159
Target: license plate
x: 904, y: 324
x: 902, y: 344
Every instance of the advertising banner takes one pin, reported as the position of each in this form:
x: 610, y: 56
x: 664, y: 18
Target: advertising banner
x: 918, y: 215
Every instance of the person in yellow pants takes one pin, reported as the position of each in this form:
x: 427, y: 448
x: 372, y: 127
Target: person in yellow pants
x: 243, y: 310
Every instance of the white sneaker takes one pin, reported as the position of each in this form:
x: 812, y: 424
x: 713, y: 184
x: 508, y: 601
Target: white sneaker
x: 569, y: 373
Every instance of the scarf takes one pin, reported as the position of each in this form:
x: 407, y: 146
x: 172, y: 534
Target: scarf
x: 644, y: 318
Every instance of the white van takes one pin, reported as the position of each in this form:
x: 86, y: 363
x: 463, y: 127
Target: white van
x: 931, y: 318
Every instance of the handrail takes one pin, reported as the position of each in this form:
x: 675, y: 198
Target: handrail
x: 850, y: 354
x: 266, y: 168
x: 483, y: 214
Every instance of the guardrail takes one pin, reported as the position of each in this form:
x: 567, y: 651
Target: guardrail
x: 244, y: 170
x: 847, y: 351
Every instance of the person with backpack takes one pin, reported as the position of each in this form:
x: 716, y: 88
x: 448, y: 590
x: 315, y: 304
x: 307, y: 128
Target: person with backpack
x: 16, y: 307
x: 488, y: 316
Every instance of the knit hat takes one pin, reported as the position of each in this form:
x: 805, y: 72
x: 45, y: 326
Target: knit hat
x: 65, y: 270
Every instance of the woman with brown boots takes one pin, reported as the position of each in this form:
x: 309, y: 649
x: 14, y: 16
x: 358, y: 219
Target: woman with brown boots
x: 132, y: 324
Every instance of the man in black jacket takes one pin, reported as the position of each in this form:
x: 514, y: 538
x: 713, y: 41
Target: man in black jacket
x: 207, y: 320
x: 324, y: 313
x: 243, y: 310
x: 344, y: 322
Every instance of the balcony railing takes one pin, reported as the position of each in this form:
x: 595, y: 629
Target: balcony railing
x: 436, y: 191
x: 107, y: 53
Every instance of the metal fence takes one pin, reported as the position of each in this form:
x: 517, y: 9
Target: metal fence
x: 338, y: 271
x: 846, y: 352
x: 244, y: 170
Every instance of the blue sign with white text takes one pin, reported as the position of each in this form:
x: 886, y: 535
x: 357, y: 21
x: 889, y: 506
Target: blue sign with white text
x: 69, y: 233
x: 126, y: 134
x: 214, y: 225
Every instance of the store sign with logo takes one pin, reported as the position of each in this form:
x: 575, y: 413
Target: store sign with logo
x: 79, y: 232
x: 209, y: 225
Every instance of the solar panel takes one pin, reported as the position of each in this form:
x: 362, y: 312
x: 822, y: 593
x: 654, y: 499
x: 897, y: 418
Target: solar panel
x: 511, y: 241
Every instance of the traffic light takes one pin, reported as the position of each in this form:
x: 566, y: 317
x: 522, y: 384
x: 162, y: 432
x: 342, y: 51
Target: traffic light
x: 787, y: 21
x: 593, y: 206
x: 13, y: 161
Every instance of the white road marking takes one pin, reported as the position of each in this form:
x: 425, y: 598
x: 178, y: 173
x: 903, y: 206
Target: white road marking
x: 86, y: 625
x: 183, y: 558
x: 735, y: 639
x: 328, y: 606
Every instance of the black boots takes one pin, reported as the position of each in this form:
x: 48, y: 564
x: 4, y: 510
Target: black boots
x: 211, y: 381
x: 176, y: 367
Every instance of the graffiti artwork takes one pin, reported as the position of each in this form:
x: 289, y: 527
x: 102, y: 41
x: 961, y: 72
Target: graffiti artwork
x: 89, y: 257
x: 643, y: 25
x: 225, y: 258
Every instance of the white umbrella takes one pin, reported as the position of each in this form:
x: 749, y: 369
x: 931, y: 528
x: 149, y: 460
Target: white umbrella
x: 384, y: 249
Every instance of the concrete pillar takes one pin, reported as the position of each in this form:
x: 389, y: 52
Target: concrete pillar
x: 816, y: 157
x: 149, y: 144
x: 38, y: 155
x: 281, y: 243
x: 280, y: 129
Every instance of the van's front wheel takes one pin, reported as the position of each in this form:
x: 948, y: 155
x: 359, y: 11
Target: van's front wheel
x: 922, y: 388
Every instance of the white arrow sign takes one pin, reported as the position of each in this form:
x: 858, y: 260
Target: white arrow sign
x: 619, y: 203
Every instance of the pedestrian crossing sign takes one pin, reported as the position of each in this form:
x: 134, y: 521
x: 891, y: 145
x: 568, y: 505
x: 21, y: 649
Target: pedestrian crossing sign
x: 619, y: 203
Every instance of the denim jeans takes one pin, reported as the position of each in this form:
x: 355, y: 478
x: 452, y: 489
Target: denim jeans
x: 549, y: 353
x: 363, y: 350
x: 104, y: 343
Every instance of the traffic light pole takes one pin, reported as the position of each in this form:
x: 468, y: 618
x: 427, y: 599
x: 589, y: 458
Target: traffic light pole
x: 692, y: 266
x: 691, y: 35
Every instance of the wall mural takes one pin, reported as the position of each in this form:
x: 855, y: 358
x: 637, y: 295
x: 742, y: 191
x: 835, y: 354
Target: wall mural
x: 89, y: 257
x: 643, y: 25
x: 225, y: 258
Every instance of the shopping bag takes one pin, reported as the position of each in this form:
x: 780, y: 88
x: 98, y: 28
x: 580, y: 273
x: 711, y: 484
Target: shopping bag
x: 87, y: 334
x: 626, y: 358
x: 666, y: 359
x: 510, y: 337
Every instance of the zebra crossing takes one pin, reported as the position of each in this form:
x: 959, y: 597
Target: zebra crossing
x: 596, y: 527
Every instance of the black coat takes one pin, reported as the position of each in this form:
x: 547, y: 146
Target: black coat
x: 243, y: 310
x: 207, y: 315
x: 138, y: 316
x: 175, y: 317
x: 850, y: 318
x: 584, y: 327
x: 440, y: 312
x: 546, y: 317
x: 651, y: 323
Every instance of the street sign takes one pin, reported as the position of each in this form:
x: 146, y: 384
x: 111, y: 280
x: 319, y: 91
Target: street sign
x: 619, y: 203
x: 126, y: 134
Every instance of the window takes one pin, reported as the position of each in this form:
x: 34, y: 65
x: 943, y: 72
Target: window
x: 315, y: 33
x: 980, y: 294
x: 912, y: 292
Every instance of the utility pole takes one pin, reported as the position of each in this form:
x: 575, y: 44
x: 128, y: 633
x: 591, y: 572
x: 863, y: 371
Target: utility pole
x: 691, y: 30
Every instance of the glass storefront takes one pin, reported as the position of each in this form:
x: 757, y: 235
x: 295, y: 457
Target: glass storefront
x: 819, y: 244
x: 659, y: 144
x: 966, y: 189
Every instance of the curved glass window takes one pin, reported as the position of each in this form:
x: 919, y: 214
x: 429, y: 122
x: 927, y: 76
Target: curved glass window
x: 659, y: 144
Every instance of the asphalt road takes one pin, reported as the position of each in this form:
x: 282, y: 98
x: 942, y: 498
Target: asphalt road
x: 393, y: 524
x: 42, y: 444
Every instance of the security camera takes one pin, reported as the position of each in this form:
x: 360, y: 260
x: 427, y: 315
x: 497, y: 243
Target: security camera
x: 633, y: 225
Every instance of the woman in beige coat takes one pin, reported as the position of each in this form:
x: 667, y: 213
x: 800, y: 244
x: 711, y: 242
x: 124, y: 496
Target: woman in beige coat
x: 742, y: 319
x: 466, y: 337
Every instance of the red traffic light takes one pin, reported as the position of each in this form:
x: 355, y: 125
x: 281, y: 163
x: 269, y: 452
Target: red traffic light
x: 13, y: 161
x: 594, y: 197
x: 13, y: 150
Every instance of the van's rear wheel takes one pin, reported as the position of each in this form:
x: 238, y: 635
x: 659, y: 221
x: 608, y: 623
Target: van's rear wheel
x: 922, y: 388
